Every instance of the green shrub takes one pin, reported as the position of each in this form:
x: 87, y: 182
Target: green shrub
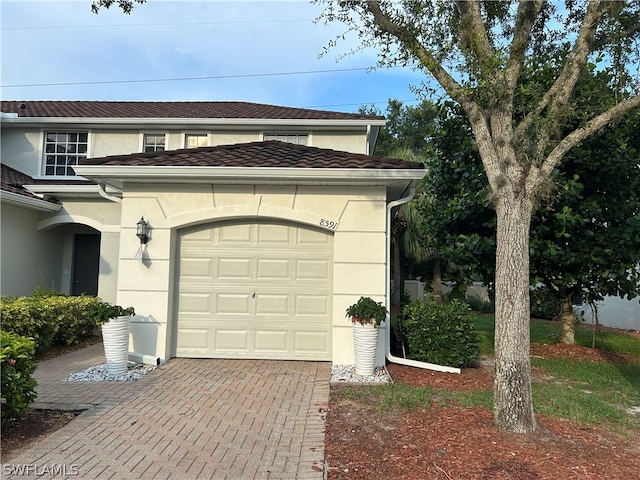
x: 16, y: 365
x: 51, y: 319
x: 441, y: 333
x: 543, y: 304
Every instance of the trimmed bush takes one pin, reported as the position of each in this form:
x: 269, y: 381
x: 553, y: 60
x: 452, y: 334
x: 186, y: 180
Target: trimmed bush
x: 16, y: 365
x: 51, y: 319
x: 443, y: 333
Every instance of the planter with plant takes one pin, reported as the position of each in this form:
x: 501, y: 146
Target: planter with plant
x: 366, y: 316
x: 115, y: 323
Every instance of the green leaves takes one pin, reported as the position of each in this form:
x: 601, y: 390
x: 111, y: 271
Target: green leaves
x: 367, y: 311
x: 16, y: 366
x: 441, y: 333
x: 49, y: 318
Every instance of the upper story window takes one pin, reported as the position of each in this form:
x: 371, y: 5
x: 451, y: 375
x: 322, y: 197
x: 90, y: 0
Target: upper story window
x: 195, y: 140
x: 153, y: 142
x: 297, y: 138
x: 62, y: 151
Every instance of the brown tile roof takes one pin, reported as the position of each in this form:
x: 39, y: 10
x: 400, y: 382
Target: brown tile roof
x: 237, y: 110
x: 256, y: 154
x: 12, y: 180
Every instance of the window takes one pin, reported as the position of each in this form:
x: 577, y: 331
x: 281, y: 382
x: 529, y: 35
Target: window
x: 153, y: 142
x: 297, y: 138
x: 195, y: 140
x: 62, y: 151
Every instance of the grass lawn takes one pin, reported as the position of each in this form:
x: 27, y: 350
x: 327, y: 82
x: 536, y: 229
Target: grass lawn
x: 605, y: 393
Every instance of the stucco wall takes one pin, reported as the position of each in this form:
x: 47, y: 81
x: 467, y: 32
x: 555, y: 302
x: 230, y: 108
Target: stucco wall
x: 359, y: 243
x: 30, y: 258
x: 21, y: 148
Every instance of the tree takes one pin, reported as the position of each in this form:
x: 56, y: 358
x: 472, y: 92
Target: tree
x: 477, y: 51
x: 585, y: 237
x: 586, y: 242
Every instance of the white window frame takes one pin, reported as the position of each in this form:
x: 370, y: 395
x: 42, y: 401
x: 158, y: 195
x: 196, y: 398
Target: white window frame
x: 143, y: 138
x: 288, y: 137
x: 204, y: 135
x: 44, y: 154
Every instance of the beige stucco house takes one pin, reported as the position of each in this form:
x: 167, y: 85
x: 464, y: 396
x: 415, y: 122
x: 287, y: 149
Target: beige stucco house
x: 265, y: 222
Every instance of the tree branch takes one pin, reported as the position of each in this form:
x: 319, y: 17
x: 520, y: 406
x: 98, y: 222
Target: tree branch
x: 473, y: 38
x: 595, y: 124
x: 559, y: 93
x: 409, y: 40
x: 525, y: 18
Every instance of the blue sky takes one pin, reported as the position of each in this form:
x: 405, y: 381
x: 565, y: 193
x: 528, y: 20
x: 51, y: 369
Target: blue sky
x: 56, y: 50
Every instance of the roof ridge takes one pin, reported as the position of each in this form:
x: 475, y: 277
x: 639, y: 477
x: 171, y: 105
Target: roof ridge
x: 171, y: 109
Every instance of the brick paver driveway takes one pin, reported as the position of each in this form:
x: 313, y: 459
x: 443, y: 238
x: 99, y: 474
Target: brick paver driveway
x: 188, y: 419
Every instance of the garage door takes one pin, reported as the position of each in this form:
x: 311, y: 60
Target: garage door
x: 254, y: 290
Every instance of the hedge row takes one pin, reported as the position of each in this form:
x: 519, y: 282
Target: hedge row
x: 16, y: 365
x: 51, y: 319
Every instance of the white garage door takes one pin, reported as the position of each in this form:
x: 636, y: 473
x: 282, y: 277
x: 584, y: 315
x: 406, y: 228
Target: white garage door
x: 254, y: 290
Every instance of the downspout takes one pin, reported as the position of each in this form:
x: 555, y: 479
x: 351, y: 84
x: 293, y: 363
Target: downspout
x: 103, y: 193
x: 387, y: 343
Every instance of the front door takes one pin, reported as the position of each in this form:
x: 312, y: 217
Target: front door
x: 86, y: 263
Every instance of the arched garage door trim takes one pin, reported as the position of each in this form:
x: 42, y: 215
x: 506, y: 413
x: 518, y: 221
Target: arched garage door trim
x: 254, y: 288
x: 252, y: 210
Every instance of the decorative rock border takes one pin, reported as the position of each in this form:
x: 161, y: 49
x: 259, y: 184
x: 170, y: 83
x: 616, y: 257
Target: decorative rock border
x: 135, y: 371
x: 347, y: 374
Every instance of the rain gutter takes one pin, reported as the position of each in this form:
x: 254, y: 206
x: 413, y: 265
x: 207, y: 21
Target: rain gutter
x: 103, y: 193
x: 390, y: 357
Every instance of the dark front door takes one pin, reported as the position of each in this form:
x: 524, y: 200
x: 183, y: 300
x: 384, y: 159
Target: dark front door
x: 86, y: 263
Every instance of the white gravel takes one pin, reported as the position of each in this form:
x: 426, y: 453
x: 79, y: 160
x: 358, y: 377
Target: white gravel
x: 347, y: 373
x: 99, y: 373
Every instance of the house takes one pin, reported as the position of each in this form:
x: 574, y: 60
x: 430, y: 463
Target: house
x: 265, y: 222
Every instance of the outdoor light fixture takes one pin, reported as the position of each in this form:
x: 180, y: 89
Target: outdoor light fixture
x: 142, y: 231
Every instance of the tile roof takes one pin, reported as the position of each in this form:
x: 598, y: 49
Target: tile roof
x: 12, y: 180
x: 220, y: 110
x: 270, y: 153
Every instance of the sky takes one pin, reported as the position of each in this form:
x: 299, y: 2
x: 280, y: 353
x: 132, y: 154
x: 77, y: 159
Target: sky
x: 260, y: 51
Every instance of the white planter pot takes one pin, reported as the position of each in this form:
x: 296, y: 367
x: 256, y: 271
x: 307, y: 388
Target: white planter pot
x: 365, y: 343
x: 115, y: 338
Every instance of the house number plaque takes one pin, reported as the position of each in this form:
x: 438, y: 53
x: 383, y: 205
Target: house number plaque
x: 328, y: 224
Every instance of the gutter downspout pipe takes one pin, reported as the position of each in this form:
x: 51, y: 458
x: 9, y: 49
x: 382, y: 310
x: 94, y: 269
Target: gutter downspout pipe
x: 392, y: 358
x: 103, y: 193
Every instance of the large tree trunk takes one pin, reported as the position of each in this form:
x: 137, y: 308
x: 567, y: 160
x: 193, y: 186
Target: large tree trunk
x: 568, y: 321
x: 513, y: 407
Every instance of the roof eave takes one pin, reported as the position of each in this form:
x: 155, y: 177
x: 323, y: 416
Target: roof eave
x: 31, y: 203
x: 117, y: 176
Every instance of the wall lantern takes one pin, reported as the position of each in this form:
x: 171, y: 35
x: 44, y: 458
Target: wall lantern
x: 142, y: 231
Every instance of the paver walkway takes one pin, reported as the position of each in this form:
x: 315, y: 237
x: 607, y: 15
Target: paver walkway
x: 188, y: 419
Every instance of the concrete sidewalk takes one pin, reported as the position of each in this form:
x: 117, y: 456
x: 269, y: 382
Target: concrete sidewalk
x: 188, y: 419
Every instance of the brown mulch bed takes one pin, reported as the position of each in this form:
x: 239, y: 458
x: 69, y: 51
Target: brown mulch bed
x: 31, y: 427
x: 447, y: 442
